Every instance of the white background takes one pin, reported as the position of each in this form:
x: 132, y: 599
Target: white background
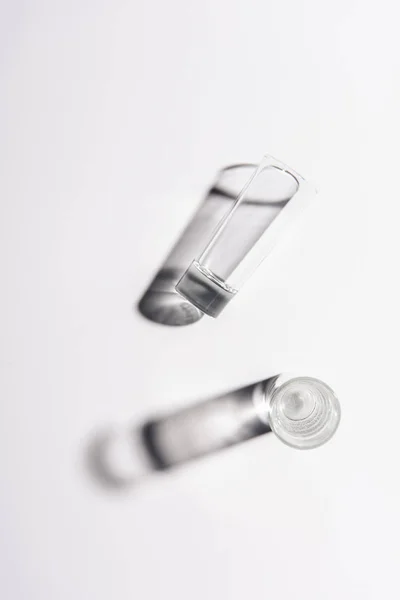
x: 114, y: 118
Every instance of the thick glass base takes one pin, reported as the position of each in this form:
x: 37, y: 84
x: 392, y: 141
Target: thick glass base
x: 204, y: 290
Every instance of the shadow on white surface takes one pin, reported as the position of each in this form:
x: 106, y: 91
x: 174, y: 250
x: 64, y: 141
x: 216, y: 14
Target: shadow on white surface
x: 303, y: 412
x: 161, y: 303
x: 118, y: 459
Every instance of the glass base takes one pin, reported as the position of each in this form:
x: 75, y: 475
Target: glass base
x: 204, y: 290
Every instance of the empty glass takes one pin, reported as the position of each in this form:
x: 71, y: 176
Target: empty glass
x: 303, y: 412
x: 268, y: 202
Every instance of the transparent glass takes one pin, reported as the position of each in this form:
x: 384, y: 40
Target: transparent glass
x: 266, y: 204
x: 303, y: 412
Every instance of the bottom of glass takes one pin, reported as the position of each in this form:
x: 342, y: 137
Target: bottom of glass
x: 205, y: 290
x: 304, y: 412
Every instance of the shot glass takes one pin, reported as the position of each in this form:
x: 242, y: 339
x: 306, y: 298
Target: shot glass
x: 267, y: 205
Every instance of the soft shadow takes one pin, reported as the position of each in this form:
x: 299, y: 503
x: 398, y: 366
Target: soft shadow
x: 98, y: 465
x: 119, y: 459
x: 160, y: 303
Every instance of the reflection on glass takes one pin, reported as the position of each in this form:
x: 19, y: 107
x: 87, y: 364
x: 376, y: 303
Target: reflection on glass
x: 265, y: 205
x: 303, y: 412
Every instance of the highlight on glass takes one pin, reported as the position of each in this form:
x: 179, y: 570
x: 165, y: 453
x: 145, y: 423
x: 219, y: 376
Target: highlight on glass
x: 303, y: 412
x: 268, y: 203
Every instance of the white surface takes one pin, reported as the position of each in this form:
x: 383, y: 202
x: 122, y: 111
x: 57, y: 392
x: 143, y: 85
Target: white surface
x: 114, y: 118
